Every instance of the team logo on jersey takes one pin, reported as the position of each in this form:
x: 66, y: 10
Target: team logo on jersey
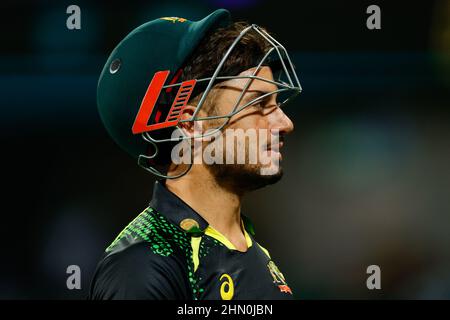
x: 278, y: 277
x: 227, y: 287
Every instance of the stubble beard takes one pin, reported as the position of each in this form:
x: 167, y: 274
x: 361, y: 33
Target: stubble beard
x: 243, y: 178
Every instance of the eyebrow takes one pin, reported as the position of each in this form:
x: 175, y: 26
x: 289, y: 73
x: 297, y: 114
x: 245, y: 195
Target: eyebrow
x: 250, y: 95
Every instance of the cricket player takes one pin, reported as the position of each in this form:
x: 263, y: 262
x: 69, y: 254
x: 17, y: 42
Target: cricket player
x: 173, y: 94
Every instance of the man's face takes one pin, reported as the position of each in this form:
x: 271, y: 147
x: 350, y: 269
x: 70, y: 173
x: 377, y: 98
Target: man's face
x: 264, y: 119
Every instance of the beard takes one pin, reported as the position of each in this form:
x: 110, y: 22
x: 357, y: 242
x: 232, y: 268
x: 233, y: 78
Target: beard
x: 247, y: 176
x: 243, y: 178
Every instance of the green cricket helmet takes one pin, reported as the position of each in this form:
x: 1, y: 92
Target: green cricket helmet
x: 163, y: 44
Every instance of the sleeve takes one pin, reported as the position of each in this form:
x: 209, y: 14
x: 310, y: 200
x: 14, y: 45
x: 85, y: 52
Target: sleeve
x: 136, y: 273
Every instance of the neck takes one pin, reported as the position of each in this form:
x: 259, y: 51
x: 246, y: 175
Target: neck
x: 219, y: 206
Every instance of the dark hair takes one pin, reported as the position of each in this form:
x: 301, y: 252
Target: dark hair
x: 207, y: 56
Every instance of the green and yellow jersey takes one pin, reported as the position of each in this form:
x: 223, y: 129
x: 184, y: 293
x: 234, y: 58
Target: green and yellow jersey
x: 170, y: 252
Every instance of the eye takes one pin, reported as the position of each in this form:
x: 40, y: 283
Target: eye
x: 258, y: 104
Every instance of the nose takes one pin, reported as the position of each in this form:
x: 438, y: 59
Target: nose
x: 282, y: 122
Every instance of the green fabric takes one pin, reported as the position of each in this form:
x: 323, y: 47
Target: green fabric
x: 150, y: 226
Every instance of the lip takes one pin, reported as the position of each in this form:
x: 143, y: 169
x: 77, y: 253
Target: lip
x: 271, y: 152
x: 280, y: 145
x: 278, y: 151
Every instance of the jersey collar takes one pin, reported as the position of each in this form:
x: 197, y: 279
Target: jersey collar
x: 176, y: 210
x: 181, y: 214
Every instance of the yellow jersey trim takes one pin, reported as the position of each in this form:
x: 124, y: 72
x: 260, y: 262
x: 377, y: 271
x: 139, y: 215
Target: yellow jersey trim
x: 213, y: 233
x: 195, y: 244
x: 265, y: 250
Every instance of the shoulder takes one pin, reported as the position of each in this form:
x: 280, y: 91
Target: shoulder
x: 136, y: 272
x: 264, y: 250
x: 147, y: 260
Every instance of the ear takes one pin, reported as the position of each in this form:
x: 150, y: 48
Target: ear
x: 186, y: 114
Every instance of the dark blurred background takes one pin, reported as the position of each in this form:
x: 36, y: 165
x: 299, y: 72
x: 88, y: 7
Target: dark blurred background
x: 367, y: 170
